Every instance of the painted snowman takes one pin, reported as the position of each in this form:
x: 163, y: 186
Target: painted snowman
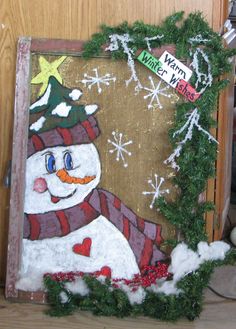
x: 69, y: 223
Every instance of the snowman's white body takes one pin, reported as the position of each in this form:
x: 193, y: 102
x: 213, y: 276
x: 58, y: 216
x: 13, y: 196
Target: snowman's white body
x: 108, y: 245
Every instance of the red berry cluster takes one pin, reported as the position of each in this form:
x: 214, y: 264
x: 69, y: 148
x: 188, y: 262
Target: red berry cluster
x: 71, y: 276
x: 62, y: 276
x: 148, y: 276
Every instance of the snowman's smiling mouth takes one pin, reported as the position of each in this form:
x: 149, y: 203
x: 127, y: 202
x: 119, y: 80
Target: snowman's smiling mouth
x: 56, y: 199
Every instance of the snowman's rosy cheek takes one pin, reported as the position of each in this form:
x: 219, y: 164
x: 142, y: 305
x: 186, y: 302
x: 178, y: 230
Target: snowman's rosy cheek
x: 40, y: 185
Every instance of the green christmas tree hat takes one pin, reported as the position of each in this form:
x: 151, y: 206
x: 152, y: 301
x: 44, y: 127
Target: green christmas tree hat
x: 63, y: 121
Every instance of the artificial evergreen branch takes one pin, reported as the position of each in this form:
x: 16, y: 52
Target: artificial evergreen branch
x: 198, y: 44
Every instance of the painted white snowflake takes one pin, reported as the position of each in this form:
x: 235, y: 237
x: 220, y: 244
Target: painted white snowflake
x: 154, y: 92
x: 156, y: 189
x: 120, y: 147
x: 97, y: 80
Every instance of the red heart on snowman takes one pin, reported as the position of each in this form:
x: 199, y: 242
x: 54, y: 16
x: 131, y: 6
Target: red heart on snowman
x: 83, y: 248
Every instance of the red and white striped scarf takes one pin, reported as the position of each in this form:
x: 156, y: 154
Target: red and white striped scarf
x: 144, y: 237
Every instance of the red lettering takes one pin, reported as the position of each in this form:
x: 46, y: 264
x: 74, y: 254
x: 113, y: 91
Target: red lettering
x: 185, y: 89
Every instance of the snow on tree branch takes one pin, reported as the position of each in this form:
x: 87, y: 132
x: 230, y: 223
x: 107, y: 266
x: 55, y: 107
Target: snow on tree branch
x: 202, y: 78
x: 193, y: 121
x: 197, y: 39
x: 124, y: 39
x: 147, y: 39
x: 172, y: 158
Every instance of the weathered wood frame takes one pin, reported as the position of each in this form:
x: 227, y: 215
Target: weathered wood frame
x: 19, y: 153
x: 26, y: 47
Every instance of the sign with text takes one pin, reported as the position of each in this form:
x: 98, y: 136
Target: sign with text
x: 172, y: 70
x: 185, y: 89
x: 151, y: 62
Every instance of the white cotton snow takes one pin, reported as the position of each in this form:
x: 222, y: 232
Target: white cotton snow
x: 37, y: 125
x: 62, y: 110
x: 165, y: 287
x: 135, y: 297
x: 63, y: 297
x: 75, y: 94
x: 185, y: 261
x: 43, y: 100
x: 215, y: 251
x: 78, y: 287
x: 101, y: 278
x: 30, y: 283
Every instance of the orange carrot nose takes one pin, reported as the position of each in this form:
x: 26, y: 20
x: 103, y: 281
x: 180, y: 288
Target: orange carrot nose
x: 63, y: 175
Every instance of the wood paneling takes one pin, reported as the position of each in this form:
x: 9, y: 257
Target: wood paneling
x: 67, y: 19
x: 224, y: 159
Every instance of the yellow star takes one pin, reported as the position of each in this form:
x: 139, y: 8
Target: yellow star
x: 47, y: 69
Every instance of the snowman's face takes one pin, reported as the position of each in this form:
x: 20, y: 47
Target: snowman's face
x: 60, y: 177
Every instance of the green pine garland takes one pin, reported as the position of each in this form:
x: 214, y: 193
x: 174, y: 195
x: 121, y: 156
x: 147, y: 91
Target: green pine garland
x: 103, y: 301
x: 196, y: 162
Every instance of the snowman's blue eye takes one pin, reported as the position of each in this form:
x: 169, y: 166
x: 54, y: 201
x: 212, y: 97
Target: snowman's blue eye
x: 68, y: 161
x: 50, y: 163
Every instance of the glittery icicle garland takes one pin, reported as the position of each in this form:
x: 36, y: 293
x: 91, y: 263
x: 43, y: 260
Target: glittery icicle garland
x: 157, y: 37
x: 204, y: 79
x: 198, y: 39
x: 124, y: 39
x: 193, y: 121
